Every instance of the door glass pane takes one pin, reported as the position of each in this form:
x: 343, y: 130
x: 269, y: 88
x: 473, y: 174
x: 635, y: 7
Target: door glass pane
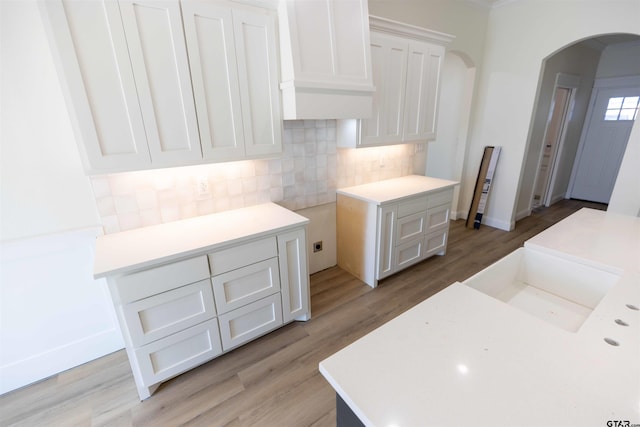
x: 611, y: 115
x: 615, y: 103
x: 630, y: 102
x: 626, y: 114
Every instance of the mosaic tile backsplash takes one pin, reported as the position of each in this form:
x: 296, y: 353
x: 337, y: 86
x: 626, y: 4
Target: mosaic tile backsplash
x: 306, y: 174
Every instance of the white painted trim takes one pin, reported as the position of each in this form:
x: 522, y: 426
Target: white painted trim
x: 628, y: 81
x: 388, y: 26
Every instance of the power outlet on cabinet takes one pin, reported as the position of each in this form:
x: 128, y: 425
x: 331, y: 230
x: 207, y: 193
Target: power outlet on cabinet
x: 317, y: 246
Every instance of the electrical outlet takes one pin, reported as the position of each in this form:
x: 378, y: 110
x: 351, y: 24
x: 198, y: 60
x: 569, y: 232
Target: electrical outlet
x: 317, y: 246
x: 202, y: 186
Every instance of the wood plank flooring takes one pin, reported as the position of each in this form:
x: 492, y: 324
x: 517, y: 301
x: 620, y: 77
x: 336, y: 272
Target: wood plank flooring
x: 273, y: 381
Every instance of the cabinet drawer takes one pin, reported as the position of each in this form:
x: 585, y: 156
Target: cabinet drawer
x: 250, y: 321
x: 238, y: 256
x: 440, y: 198
x: 436, y: 242
x: 179, y: 352
x: 239, y: 287
x: 438, y: 217
x: 411, y: 206
x: 153, y: 281
x: 410, y: 227
x: 155, y: 317
x: 409, y: 253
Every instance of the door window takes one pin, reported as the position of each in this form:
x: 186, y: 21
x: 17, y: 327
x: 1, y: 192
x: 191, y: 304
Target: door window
x: 622, y: 108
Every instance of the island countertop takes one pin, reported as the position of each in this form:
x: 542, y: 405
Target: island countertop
x: 133, y: 250
x: 463, y: 358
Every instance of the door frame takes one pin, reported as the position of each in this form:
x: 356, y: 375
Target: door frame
x: 599, y: 83
x: 572, y: 83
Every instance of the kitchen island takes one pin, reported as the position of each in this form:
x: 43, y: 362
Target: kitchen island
x: 463, y: 357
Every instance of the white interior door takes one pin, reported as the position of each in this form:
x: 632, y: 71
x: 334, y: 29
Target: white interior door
x: 611, y: 117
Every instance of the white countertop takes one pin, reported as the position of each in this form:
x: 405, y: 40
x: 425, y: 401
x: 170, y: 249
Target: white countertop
x: 133, y: 250
x: 392, y: 190
x: 463, y: 358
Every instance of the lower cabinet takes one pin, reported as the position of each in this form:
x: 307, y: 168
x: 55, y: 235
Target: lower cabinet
x: 381, y: 235
x: 179, y: 315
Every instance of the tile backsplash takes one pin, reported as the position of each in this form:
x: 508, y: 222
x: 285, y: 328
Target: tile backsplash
x: 306, y: 174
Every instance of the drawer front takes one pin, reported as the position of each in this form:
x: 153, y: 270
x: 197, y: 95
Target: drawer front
x: 246, y: 285
x: 250, y: 321
x: 410, y: 227
x: 435, y: 243
x: 179, y: 352
x: 239, y: 256
x: 411, y: 206
x: 156, y: 280
x: 409, y: 253
x: 438, y: 218
x: 156, y: 317
x: 440, y: 198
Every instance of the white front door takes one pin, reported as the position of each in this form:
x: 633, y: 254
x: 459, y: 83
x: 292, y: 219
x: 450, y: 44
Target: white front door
x: 609, y: 124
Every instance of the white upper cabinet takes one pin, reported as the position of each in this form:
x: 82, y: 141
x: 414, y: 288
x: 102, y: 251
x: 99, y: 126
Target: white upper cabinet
x: 159, y: 83
x: 90, y: 52
x: 234, y: 69
x: 406, y: 63
x: 326, y: 60
x: 153, y: 30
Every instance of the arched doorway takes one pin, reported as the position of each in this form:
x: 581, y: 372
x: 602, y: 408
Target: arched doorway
x: 585, y: 61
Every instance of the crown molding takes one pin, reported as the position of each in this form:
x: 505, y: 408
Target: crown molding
x: 388, y: 26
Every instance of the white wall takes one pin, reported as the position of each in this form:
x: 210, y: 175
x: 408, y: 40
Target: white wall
x: 53, y: 315
x: 625, y: 198
x: 520, y: 35
x: 577, y: 60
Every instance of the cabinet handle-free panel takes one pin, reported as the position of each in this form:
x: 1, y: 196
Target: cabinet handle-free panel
x: 242, y: 286
x: 387, y: 240
x: 160, y: 315
x: 438, y: 218
x: 179, y: 352
x: 295, y: 279
x: 250, y: 321
x: 161, y: 70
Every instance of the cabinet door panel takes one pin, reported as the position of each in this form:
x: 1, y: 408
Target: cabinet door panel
x: 245, y: 285
x: 436, y: 242
x: 97, y: 80
x: 212, y: 56
x: 179, y: 352
x: 386, y: 241
x: 438, y: 217
x: 164, y: 314
x: 389, y: 64
x: 258, y: 77
x: 294, y: 276
x: 410, y: 227
x: 351, y: 61
x: 409, y: 253
x: 423, y: 77
x: 158, y: 55
x: 250, y: 321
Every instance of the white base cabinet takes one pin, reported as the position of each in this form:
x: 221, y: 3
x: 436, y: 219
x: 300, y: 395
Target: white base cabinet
x: 386, y: 226
x: 178, y: 314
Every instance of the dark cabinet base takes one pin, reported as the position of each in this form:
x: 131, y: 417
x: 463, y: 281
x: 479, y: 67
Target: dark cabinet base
x: 345, y: 416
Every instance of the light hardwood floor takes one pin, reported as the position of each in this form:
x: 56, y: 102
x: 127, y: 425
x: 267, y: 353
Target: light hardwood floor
x: 273, y: 381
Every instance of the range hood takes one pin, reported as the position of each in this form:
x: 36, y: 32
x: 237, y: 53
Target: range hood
x: 326, y: 59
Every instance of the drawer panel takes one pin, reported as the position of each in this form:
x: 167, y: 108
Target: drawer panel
x: 409, y: 253
x: 245, y: 285
x: 436, y: 243
x: 411, y: 206
x: 179, y: 352
x: 410, y: 227
x: 440, y: 198
x: 250, y: 321
x: 153, y: 281
x: 238, y: 256
x: 438, y: 217
x: 155, y: 317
